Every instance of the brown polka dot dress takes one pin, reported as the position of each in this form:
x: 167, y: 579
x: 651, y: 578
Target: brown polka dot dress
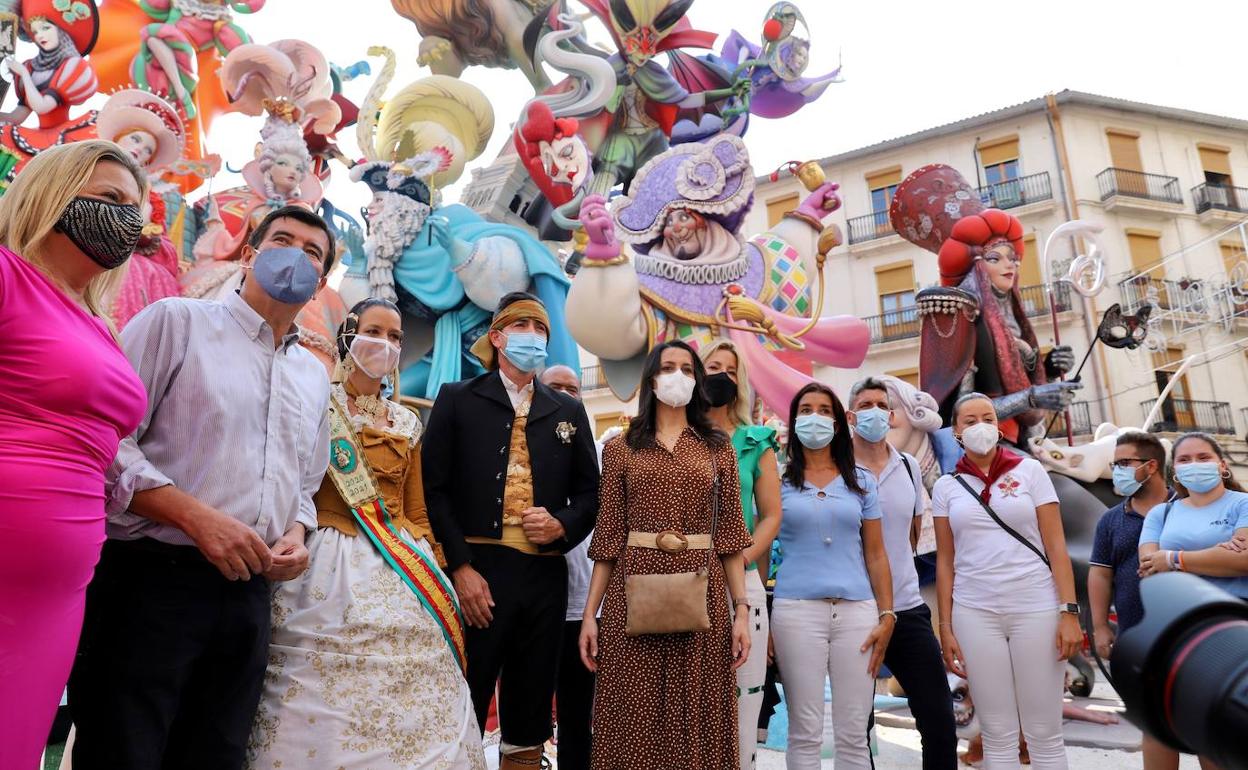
x: 666, y: 701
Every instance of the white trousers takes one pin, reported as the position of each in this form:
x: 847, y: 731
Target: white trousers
x: 815, y: 639
x: 753, y: 675
x: 1015, y: 677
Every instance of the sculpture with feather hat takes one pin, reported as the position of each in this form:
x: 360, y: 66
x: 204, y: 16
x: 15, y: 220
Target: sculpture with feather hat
x: 289, y: 83
x: 975, y: 332
x: 443, y: 265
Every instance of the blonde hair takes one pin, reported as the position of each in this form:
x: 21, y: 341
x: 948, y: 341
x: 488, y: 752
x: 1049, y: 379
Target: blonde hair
x: 740, y: 407
x: 34, y: 202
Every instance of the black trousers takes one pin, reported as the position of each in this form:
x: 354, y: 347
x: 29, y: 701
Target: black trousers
x: 171, y: 662
x: 914, y: 658
x: 574, y: 702
x: 520, y: 649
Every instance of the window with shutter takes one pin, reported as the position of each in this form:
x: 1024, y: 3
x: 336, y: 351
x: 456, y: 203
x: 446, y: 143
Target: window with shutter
x: 999, y: 158
x: 1124, y: 149
x: 895, y: 285
x: 910, y: 375
x: 778, y: 207
x: 883, y: 184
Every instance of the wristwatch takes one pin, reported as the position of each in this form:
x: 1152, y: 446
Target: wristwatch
x: 1070, y: 608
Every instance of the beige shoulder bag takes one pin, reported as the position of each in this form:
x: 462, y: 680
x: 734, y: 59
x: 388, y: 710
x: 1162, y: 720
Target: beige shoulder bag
x: 675, y: 603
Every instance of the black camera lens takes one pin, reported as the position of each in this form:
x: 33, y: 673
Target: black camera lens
x: 1183, y: 671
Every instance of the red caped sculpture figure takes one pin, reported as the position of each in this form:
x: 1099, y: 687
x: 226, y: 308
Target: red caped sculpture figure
x: 975, y: 332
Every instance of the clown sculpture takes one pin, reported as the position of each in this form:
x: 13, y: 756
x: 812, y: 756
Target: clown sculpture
x: 692, y: 276
x: 444, y: 266
x: 975, y: 333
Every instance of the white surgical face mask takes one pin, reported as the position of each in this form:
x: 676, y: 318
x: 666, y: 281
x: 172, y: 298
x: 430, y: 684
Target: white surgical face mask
x: 375, y: 356
x: 674, y: 389
x: 981, y: 437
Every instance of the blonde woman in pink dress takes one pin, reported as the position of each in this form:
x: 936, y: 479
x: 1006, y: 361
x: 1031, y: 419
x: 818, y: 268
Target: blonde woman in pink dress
x: 67, y: 224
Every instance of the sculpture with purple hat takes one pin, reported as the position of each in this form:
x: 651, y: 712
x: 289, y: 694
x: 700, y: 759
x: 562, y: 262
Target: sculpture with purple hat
x: 691, y: 275
x: 444, y: 266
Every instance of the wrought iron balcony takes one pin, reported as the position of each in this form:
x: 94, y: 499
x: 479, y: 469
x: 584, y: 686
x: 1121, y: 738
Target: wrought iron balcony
x: 1221, y: 197
x: 1161, y: 293
x: 1180, y: 415
x: 897, y: 325
x: 1136, y: 184
x: 1036, y: 299
x: 592, y: 379
x: 1080, y: 421
x: 869, y: 227
x: 1017, y: 192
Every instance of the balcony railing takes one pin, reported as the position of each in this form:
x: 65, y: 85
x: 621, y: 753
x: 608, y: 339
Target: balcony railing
x: 1243, y: 415
x: 1017, y: 192
x: 1221, y: 197
x: 869, y: 227
x: 898, y: 325
x: 904, y: 324
x: 1180, y: 415
x: 592, y: 379
x: 1136, y: 184
x: 1080, y: 421
x: 1036, y: 299
x: 1161, y: 293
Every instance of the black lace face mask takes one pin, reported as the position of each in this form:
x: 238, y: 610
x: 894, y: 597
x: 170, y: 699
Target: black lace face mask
x: 106, y: 232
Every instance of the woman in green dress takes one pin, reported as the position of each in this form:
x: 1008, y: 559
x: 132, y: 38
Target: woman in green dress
x: 731, y: 406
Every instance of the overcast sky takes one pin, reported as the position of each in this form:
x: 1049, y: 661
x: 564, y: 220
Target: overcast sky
x: 907, y: 65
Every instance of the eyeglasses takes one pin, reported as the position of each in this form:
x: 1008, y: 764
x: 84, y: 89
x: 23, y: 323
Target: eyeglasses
x: 1126, y: 462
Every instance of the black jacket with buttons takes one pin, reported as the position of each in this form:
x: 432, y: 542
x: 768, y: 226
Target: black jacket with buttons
x: 464, y: 460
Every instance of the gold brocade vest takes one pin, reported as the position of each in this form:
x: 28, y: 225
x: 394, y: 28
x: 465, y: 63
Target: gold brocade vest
x: 518, y: 490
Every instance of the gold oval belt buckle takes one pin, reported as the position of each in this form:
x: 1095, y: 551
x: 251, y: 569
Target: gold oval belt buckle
x: 671, y: 541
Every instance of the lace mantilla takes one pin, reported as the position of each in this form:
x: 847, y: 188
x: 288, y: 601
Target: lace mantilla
x: 725, y: 272
x: 403, y: 421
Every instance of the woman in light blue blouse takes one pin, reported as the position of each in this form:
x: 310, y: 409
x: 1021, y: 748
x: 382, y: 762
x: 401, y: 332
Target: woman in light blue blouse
x: 1206, y: 530
x: 833, y: 611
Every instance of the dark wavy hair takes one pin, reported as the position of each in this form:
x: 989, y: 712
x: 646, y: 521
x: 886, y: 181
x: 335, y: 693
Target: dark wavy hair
x: 1228, y: 482
x: 641, y: 430
x: 351, y: 324
x: 841, y: 449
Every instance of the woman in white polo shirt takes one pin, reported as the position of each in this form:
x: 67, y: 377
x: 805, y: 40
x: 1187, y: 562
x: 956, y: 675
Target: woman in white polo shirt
x: 1006, y: 597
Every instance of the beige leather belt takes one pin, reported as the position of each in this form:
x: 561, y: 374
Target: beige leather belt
x: 669, y: 541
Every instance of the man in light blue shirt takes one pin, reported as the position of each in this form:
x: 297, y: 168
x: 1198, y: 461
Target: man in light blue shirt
x: 913, y: 653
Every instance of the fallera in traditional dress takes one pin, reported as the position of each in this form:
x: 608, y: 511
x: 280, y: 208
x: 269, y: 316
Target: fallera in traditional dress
x: 361, y: 676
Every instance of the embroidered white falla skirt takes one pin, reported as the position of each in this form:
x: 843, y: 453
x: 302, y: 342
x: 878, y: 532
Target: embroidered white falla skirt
x: 360, y: 676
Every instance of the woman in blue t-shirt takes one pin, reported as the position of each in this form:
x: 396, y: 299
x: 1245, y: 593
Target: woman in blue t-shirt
x: 833, y: 610
x: 1204, y: 531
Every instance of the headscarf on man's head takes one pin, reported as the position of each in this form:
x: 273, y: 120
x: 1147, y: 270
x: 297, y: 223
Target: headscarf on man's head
x: 527, y: 307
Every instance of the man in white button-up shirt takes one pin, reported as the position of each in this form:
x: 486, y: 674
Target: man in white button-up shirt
x: 208, y: 502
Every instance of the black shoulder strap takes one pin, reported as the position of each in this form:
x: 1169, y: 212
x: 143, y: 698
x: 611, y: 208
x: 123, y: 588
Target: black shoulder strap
x: 1012, y: 532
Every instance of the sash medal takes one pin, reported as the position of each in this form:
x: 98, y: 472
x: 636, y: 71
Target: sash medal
x: 354, y: 481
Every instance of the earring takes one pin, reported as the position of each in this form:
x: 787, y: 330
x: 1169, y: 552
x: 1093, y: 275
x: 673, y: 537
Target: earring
x: 1226, y: 474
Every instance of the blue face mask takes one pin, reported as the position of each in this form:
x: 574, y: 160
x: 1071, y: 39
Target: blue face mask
x: 815, y: 431
x: 1198, y: 477
x: 286, y: 274
x: 1125, y: 483
x: 871, y: 424
x: 525, y: 350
